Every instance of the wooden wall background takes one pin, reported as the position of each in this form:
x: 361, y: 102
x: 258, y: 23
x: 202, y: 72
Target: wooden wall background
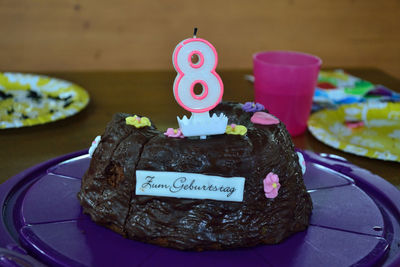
x: 58, y: 35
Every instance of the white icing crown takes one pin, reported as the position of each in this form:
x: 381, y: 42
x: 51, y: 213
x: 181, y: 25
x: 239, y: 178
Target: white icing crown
x: 201, y: 124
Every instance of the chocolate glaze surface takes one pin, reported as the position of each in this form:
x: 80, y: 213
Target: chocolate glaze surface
x: 108, y: 187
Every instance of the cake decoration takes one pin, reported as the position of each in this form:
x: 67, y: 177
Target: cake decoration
x: 236, y: 129
x: 302, y: 162
x: 93, y: 147
x: 263, y: 118
x: 253, y: 107
x: 137, y: 121
x: 196, y: 126
x: 271, y: 185
x: 202, y: 74
x: 176, y: 133
x: 189, y: 185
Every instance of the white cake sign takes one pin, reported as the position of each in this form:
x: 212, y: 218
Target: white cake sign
x: 189, y: 185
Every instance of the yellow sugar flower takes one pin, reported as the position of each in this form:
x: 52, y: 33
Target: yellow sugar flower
x: 137, y: 121
x: 236, y: 129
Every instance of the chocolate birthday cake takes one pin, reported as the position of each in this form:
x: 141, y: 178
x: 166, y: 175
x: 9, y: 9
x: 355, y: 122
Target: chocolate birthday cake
x: 237, y: 189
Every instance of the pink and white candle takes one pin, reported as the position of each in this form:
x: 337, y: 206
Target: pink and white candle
x: 201, y: 72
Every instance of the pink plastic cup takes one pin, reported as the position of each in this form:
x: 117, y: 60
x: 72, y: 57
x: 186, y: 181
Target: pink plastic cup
x: 285, y: 83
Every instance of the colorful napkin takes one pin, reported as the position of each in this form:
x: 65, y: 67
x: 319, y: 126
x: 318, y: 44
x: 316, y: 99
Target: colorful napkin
x: 337, y: 87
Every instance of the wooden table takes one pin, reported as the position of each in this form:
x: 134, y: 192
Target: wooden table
x: 146, y: 93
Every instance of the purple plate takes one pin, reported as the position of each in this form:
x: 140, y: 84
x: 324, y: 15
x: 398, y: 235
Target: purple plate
x: 355, y: 221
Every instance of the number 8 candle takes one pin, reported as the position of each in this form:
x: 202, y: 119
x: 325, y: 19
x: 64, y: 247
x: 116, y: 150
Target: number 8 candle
x: 201, y: 72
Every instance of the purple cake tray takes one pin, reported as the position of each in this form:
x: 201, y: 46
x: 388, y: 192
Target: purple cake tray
x: 355, y: 221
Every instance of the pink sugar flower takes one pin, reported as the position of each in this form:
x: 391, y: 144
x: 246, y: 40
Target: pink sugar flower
x: 176, y: 133
x: 271, y: 185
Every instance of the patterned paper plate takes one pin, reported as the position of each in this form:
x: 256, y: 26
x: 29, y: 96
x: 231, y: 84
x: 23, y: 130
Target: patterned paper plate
x: 28, y: 99
x: 365, y: 129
